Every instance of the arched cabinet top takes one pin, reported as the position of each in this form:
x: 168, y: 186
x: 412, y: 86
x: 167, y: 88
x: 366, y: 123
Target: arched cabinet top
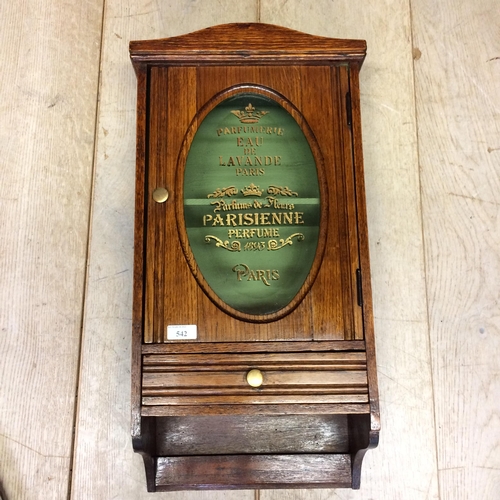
x: 247, y: 43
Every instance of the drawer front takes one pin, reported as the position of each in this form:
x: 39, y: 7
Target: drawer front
x: 285, y: 378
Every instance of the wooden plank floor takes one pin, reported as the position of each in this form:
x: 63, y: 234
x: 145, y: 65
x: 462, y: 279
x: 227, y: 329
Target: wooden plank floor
x: 431, y: 138
x: 48, y: 85
x: 404, y: 464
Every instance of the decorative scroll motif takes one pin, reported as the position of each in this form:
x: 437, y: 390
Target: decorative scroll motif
x: 220, y: 193
x: 274, y: 245
x: 283, y: 191
x: 234, y: 246
x: 249, y: 115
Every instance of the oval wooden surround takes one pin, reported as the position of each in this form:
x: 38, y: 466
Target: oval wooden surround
x: 296, y: 292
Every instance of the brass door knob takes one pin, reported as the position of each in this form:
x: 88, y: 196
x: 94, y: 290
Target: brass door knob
x: 255, y: 378
x: 160, y: 195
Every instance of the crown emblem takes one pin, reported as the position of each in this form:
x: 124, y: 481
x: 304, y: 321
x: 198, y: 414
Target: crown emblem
x: 251, y: 190
x: 249, y: 115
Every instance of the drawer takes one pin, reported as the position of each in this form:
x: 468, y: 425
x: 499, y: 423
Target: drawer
x: 216, y: 380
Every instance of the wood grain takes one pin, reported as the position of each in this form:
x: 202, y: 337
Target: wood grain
x: 229, y: 43
x: 334, y: 291
x: 457, y: 74
x: 49, y: 53
x: 396, y: 246
x: 341, y: 408
x: 105, y: 465
x: 291, y: 378
x: 252, y: 434
x: 239, y: 347
x: 259, y: 470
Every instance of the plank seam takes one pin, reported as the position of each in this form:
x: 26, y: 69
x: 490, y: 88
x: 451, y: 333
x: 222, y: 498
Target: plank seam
x: 87, y: 256
x: 424, y: 253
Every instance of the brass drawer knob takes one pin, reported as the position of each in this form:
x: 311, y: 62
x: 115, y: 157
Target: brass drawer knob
x: 255, y: 378
x: 160, y: 195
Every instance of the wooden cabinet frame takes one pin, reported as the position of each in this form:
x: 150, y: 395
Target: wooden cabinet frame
x: 196, y: 420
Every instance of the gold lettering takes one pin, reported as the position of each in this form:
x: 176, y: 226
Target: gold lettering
x: 218, y: 221
x: 269, y: 232
x: 261, y: 275
x: 234, y: 205
x: 298, y: 217
x: 241, y: 270
x: 274, y: 203
x: 248, y: 219
x: 264, y: 219
x: 250, y: 129
x: 251, y: 218
x: 250, y: 171
x: 247, y: 160
x: 218, y: 205
x: 230, y: 219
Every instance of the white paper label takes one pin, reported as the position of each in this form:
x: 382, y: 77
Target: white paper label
x: 182, y: 332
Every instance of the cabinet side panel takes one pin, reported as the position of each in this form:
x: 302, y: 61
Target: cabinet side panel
x: 138, y: 312
x: 364, y: 253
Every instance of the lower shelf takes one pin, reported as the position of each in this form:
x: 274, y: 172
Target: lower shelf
x: 255, y: 451
x: 253, y: 471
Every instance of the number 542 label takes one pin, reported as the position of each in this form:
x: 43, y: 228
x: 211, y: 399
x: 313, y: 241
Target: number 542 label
x: 182, y: 332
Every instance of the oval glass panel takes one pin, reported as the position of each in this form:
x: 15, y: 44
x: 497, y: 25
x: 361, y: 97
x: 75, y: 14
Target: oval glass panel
x: 251, y: 204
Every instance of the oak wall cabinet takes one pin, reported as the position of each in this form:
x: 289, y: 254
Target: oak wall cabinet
x: 253, y: 344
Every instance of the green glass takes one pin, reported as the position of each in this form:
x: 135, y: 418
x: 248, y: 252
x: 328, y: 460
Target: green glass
x: 252, y: 203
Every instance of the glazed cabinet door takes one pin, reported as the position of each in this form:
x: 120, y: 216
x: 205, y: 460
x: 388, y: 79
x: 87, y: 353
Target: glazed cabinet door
x: 251, y: 230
